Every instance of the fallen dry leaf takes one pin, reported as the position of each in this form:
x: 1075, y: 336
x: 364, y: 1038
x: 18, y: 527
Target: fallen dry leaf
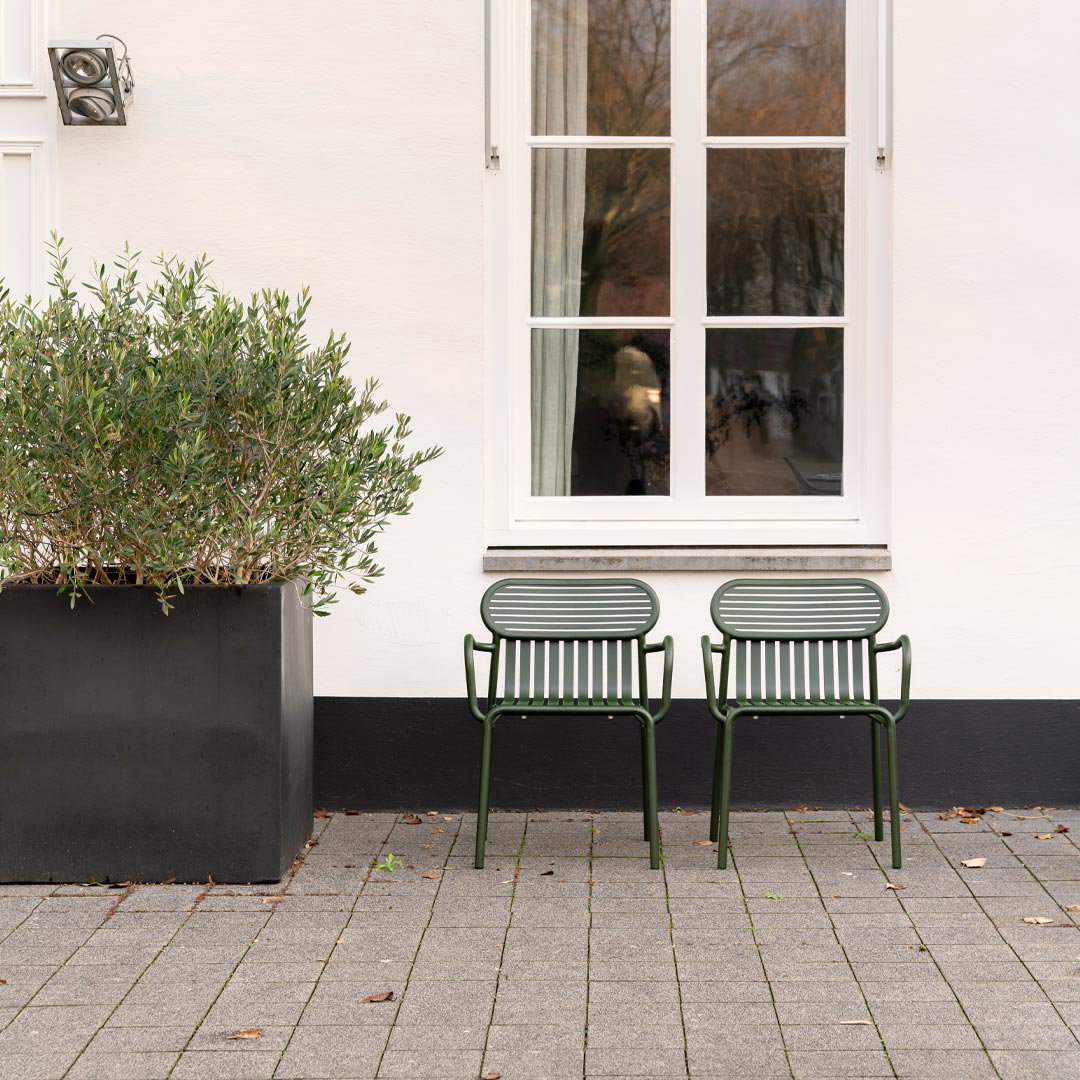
x: 272, y: 899
x: 904, y: 809
x: 948, y: 815
x: 492, y: 1076
x: 702, y: 843
x: 120, y: 884
x: 245, y: 1033
x: 433, y: 813
x: 1005, y: 834
x: 1072, y: 907
x: 430, y: 875
x: 969, y: 820
x: 1062, y: 828
x: 1037, y: 920
x: 169, y: 881
x: 547, y: 873
x: 851, y: 1022
x: 374, y: 999
x: 320, y: 813
x: 3, y: 982
x: 895, y: 885
x: 996, y: 809
x: 352, y: 813
x: 800, y: 809
x: 411, y: 819
x: 1045, y: 836
x: 973, y: 864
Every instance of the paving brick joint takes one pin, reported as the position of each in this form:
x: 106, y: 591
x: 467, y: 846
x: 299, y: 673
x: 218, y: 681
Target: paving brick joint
x: 568, y: 957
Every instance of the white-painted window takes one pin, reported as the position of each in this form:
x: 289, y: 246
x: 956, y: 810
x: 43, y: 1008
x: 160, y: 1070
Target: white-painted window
x: 687, y: 273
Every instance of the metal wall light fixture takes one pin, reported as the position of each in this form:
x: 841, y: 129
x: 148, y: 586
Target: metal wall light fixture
x: 94, y: 86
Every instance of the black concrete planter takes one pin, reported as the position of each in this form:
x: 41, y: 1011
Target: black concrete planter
x: 135, y: 746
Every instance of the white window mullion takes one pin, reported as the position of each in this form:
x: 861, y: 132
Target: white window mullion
x: 688, y: 251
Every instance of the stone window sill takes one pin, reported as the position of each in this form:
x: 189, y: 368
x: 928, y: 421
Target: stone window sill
x: 536, y: 560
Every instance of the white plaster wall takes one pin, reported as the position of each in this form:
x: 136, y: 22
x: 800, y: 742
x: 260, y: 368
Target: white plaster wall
x: 339, y: 145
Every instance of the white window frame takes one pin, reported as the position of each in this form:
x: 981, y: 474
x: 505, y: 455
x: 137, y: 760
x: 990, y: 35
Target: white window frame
x: 515, y: 517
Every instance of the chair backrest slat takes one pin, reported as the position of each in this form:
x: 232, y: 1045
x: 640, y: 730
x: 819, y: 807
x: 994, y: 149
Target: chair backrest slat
x: 799, y: 609
x: 800, y: 640
x: 605, y: 609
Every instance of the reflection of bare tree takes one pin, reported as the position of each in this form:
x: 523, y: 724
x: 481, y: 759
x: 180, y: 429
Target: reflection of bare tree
x: 629, y: 67
x: 776, y: 217
x: 776, y: 67
x: 626, y: 239
x: 776, y: 232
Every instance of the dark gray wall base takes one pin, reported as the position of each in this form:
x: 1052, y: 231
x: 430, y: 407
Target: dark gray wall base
x: 422, y: 754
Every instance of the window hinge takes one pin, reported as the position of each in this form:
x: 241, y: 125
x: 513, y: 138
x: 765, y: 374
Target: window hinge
x: 493, y: 157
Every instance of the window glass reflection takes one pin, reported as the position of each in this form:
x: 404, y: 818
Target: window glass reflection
x: 601, y: 415
x: 601, y: 67
x: 776, y: 67
x: 774, y: 412
x: 775, y: 232
x: 601, y: 235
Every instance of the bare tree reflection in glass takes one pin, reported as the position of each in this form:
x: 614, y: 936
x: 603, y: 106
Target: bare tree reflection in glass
x: 776, y: 67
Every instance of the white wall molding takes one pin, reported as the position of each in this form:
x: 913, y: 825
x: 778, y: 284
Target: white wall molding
x: 23, y: 220
x: 23, y: 48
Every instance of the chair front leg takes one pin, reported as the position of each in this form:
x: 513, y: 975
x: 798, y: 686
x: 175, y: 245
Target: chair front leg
x: 645, y: 785
x: 875, y: 765
x: 725, y: 792
x: 485, y: 791
x: 894, y: 793
x: 652, y: 825
x: 718, y: 765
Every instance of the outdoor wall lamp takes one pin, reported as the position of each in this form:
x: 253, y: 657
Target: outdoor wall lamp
x: 93, y: 85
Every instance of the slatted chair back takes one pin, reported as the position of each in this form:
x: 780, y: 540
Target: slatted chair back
x: 800, y: 641
x: 563, y: 642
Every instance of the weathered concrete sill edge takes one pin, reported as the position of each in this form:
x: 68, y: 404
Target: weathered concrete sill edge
x: 551, y: 559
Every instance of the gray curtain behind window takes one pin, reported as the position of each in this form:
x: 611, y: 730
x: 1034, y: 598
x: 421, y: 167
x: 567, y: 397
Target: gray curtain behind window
x: 560, y: 80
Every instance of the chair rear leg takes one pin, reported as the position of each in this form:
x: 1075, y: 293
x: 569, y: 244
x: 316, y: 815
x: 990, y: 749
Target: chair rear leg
x: 485, y: 791
x: 718, y: 764
x: 875, y: 765
x: 652, y: 825
x: 894, y: 795
x: 725, y: 794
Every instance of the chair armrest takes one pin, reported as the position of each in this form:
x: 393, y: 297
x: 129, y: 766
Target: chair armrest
x: 709, y: 647
x: 903, y: 642
x: 668, y: 647
x: 472, y: 644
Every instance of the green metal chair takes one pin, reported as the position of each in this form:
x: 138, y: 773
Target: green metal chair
x: 799, y: 648
x: 569, y: 648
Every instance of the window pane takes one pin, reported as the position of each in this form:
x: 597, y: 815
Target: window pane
x: 601, y: 67
x: 775, y: 232
x: 776, y: 67
x: 601, y: 417
x: 774, y: 412
x: 601, y: 232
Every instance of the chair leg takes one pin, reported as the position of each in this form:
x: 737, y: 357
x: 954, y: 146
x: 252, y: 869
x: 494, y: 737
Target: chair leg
x: 651, y: 796
x: 645, y: 786
x: 894, y: 795
x: 718, y: 764
x: 485, y: 790
x: 875, y: 765
x: 725, y: 794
